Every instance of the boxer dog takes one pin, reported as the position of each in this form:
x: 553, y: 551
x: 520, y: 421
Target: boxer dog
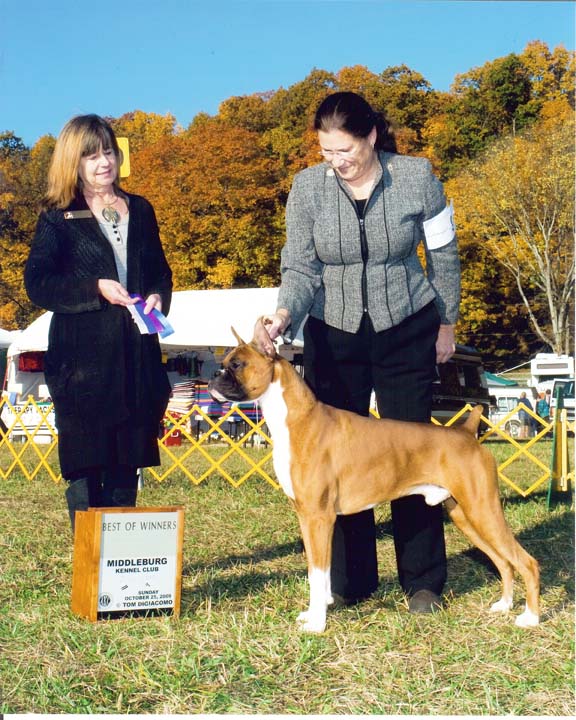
x: 320, y: 451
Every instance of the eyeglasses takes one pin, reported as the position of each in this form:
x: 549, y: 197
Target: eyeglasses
x: 342, y: 154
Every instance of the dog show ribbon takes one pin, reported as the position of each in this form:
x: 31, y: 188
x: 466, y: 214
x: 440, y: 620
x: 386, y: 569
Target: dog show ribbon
x: 154, y: 322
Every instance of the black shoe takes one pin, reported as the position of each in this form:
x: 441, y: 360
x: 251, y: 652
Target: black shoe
x: 119, y: 497
x: 424, y: 601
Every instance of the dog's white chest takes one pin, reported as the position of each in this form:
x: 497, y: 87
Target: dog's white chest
x: 275, y: 413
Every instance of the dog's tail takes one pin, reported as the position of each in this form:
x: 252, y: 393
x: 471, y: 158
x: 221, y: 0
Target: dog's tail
x: 473, y: 420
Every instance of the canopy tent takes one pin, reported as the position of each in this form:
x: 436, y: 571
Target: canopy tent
x: 496, y: 380
x: 7, y: 337
x: 202, y: 319
x: 19, y: 382
x: 34, y: 337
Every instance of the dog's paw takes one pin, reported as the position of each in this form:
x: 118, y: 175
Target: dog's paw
x: 527, y: 619
x: 311, y: 622
x: 503, y: 605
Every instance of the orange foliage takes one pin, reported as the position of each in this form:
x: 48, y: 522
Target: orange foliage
x: 215, y: 194
x: 219, y: 187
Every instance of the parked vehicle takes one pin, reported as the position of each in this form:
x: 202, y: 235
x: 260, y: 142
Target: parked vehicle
x: 459, y: 382
x: 502, y: 402
x: 567, y: 386
x: 545, y: 368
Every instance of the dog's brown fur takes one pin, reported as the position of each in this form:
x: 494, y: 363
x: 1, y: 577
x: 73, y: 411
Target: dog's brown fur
x: 327, y: 449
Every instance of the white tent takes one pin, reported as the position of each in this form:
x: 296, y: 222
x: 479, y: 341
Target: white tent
x: 19, y: 383
x: 7, y: 337
x: 34, y: 337
x: 202, y: 319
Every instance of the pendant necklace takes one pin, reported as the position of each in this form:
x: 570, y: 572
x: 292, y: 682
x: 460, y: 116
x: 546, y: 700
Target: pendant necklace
x: 110, y: 214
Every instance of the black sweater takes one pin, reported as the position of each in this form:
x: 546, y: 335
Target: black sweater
x: 100, y: 370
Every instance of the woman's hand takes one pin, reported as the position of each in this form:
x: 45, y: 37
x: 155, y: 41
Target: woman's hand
x: 277, y: 323
x: 115, y: 293
x: 445, y: 344
x: 268, y: 328
x: 153, y: 302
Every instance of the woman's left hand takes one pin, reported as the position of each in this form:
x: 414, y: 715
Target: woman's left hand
x: 153, y: 302
x: 445, y: 344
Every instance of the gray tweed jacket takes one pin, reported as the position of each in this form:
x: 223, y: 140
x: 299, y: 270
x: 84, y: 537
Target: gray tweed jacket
x: 330, y: 273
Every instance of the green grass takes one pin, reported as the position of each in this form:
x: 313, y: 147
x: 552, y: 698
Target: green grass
x: 235, y: 648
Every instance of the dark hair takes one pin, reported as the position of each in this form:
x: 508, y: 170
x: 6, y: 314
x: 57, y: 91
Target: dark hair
x: 349, y: 112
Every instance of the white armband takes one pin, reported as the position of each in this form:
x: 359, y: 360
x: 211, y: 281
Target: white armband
x: 440, y: 230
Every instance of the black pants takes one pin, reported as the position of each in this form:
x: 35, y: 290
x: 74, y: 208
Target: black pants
x: 342, y: 369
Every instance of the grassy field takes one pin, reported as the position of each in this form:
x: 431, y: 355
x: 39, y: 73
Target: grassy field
x: 235, y: 648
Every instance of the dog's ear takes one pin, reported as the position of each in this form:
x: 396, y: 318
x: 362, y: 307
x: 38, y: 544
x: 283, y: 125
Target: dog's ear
x: 262, y: 341
x: 238, y: 338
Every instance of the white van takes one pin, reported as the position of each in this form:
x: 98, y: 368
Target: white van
x: 503, y: 401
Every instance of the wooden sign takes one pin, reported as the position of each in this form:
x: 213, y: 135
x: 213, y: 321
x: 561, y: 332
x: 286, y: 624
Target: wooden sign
x: 126, y: 560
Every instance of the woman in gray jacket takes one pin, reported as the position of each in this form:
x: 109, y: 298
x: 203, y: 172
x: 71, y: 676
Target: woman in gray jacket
x: 377, y: 320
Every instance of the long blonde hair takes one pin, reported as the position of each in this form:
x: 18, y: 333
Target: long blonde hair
x: 82, y: 135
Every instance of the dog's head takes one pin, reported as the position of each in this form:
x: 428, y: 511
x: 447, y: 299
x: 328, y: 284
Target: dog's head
x: 247, y: 370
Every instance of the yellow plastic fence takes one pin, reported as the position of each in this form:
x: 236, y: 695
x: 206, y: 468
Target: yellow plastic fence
x: 237, y: 447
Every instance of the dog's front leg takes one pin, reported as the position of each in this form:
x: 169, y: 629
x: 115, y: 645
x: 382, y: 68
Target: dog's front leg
x: 317, y: 535
x: 314, y: 619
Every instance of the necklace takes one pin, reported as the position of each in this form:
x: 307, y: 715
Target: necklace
x: 109, y: 212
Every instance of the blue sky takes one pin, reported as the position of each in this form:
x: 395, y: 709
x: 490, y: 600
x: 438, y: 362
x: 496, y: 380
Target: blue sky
x: 59, y: 58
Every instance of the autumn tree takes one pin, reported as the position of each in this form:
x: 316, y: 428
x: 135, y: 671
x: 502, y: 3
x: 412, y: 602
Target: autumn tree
x: 292, y: 109
x: 358, y: 79
x: 251, y: 112
x: 484, y: 103
x: 11, y: 146
x: 520, y: 204
x: 503, y: 96
x: 22, y: 184
x: 289, y: 140
x: 144, y: 129
x: 216, y: 196
x: 260, y: 113
x: 404, y: 96
x: 219, y: 187
x: 552, y: 73
x: 492, y: 315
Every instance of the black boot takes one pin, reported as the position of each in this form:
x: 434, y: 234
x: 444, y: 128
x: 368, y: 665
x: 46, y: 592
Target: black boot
x: 83, y: 491
x: 119, y: 497
x: 119, y: 486
x: 78, y: 498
